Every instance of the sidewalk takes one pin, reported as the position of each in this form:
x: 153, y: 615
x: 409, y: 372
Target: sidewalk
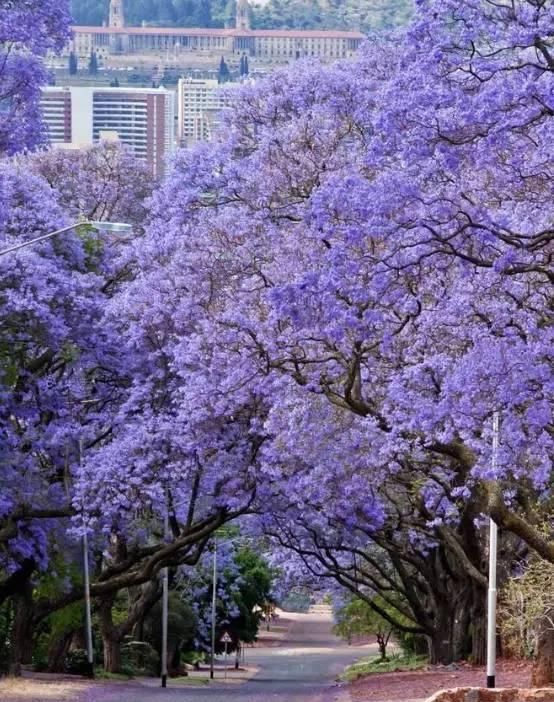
x: 238, y: 677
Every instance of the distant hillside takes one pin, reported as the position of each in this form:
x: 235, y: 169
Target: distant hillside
x: 366, y: 15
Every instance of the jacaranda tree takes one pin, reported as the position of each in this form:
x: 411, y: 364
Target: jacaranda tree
x: 28, y: 30
x: 378, y: 234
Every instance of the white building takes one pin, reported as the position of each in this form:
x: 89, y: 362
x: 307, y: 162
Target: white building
x: 142, y: 118
x: 275, y: 46
x: 199, y: 103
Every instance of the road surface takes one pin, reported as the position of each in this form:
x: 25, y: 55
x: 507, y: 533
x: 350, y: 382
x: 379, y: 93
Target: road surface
x: 302, y: 669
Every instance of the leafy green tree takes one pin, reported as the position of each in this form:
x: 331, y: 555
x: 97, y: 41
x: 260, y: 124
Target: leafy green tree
x: 356, y: 618
x: 93, y: 64
x: 203, y: 13
x: 73, y: 64
x: 224, y: 74
x: 181, y: 629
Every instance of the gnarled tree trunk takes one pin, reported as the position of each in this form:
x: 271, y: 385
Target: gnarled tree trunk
x: 58, y: 650
x: 112, y: 654
x: 111, y: 637
x: 543, y: 670
x: 22, y: 631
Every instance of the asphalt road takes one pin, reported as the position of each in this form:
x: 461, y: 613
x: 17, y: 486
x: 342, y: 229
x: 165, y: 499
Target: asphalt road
x: 302, y: 669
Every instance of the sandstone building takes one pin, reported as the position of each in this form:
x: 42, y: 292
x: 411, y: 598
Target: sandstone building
x: 279, y: 46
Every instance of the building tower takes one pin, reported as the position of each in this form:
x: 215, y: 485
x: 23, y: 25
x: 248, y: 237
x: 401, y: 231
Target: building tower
x: 118, y: 41
x: 243, y: 15
x: 117, y: 14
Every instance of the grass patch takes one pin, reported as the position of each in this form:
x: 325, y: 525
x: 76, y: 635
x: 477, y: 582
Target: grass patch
x: 373, y: 664
x: 101, y: 674
x: 188, y: 680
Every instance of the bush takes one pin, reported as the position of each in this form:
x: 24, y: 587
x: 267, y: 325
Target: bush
x: 411, y: 644
x: 139, y: 658
x: 76, y: 662
x: 6, y: 616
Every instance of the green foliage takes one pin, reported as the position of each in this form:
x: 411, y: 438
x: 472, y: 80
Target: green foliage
x: 61, y: 573
x: 179, y: 13
x: 93, y: 64
x: 223, y: 74
x: 55, y: 626
x: 396, y: 663
x: 139, y: 658
x: 292, y: 14
x: 76, y: 662
x: 101, y: 674
x: 357, y: 618
x: 253, y: 593
x: 73, y: 65
x: 181, y: 624
x: 6, y: 621
x: 333, y: 14
x: 67, y: 619
x: 526, y: 606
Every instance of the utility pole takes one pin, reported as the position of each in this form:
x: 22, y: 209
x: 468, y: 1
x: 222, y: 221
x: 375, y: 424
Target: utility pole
x: 86, y: 578
x: 493, y: 550
x: 165, y: 597
x: 214, y: 593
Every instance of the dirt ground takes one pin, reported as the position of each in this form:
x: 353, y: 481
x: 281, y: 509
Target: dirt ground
x: 416, y: 685
x: 42, y: 689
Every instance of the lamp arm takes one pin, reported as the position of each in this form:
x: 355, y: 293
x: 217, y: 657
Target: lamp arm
x: 41, y: 238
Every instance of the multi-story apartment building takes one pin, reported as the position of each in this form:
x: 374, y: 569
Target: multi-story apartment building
x: 142, y: 118
x: 279, y: 46
x: 199, y: 105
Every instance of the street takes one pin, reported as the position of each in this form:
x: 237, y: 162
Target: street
x: 302, y: 669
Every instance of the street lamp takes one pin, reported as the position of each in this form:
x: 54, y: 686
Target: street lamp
x: 113, y: 227
x: 493, y: 548
x: 165, y: 599
x: 88, y: 612
x: 214, y: 595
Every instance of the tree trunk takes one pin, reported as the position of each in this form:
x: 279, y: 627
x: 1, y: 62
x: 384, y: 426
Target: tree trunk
x: 57, y: 651
x: 111, y: 638
x: 478, y: 628
x: 22, y: 631
x: 112, y: 654
x: 543, y: 670
x: 440, y: 642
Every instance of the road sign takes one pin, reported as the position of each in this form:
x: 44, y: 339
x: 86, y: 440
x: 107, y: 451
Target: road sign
x: 226, y: 638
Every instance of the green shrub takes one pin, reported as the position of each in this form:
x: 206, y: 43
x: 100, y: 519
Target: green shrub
x: 76, y: 662
x: 139, y: 658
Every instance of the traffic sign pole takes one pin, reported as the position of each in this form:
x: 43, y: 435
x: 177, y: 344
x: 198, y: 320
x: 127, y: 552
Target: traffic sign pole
x: 225, y: 640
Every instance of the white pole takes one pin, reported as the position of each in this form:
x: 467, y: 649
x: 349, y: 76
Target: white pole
x: 214, y: 590
x: 493, y: 549
x: 225, y: 666
x: 30, y: 242
x: 165, y: 601
x: 86, y: 574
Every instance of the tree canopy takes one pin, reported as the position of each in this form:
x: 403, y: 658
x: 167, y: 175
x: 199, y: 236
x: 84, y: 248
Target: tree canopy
x: 317, y: 319
x: 276, y: 14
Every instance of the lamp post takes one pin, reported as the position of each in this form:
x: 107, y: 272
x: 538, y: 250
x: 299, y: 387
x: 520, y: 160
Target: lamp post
x: 86, y: 578
x: 214, y: 593
x: 114, y: 227
x: 493, y: 549
x: 165, y: 599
